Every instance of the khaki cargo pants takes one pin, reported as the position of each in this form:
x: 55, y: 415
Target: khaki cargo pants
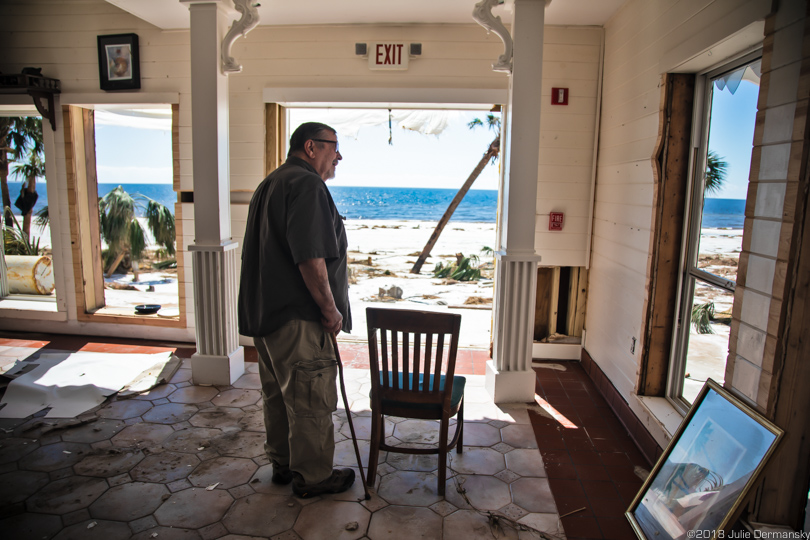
x: 298, y: 370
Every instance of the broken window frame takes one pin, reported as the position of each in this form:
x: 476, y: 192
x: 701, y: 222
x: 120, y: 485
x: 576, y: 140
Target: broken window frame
x: 690, y: 274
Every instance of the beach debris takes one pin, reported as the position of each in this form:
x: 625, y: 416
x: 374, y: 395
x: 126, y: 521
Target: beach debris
x: 120, y: 287
x: 366, y: 262
x: 394, y: 292
x: 465, y: 269
x: 212, y: 487
x: 429, y: 296
x: 477, y: 300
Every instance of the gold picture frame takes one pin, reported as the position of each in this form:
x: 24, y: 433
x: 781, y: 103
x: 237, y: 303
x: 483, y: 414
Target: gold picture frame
x: 706, y: 470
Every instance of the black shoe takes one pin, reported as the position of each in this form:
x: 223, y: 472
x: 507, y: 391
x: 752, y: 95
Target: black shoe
x: 282, y: 474
x: 338, y: 482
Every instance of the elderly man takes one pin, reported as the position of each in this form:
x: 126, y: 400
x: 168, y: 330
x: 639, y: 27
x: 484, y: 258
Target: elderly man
x: 293, y: 294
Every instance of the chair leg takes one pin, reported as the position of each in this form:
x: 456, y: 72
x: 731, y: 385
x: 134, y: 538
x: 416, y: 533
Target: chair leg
x: 374, y: 447
x: 443, y: 429
x: 460, y: 428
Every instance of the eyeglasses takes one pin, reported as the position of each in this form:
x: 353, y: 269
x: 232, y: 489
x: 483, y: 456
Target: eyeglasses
x: 337, y: 145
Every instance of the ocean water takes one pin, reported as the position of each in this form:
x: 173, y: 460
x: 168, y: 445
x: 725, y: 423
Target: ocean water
x: 389, y: 203
x: 162, y: 193
x: 723, y: 213
x: 413, y: 203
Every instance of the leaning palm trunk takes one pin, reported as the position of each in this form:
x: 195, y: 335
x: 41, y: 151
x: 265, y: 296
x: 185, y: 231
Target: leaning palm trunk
x: 492, y: 152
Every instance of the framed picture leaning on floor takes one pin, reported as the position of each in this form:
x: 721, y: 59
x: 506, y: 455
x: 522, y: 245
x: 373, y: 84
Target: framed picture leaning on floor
x: 706, y: 470
x: 119, y: 62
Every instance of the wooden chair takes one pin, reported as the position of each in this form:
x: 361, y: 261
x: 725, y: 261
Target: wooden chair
x: 415, y: 349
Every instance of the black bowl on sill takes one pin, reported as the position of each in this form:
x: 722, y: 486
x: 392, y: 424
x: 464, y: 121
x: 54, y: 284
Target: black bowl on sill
x: 147, y: 309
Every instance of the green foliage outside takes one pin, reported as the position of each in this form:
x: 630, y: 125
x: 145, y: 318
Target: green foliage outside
x: 465, y: 269
x: 702, y: 316
x: 21, y: 138
x: 716, y: 173
x: 124, y: 234
x: 15, y: 241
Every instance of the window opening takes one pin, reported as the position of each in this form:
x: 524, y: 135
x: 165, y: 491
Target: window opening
x: 28, y: 270
x: 136, y: 210
x: 401, y: 169
x: 714, y: 236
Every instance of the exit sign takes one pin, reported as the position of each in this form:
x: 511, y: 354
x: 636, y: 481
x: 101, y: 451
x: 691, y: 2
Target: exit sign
x: 388, y: 56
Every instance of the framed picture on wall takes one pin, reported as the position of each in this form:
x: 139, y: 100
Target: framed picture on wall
x: 707, y: 469
x: 119, y: 62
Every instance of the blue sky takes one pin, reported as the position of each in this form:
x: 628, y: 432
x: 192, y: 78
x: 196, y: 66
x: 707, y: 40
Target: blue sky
x: 731, y: 135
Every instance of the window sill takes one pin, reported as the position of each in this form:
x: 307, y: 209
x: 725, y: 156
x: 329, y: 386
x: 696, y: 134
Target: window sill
x: 126, y: 315
x: 22, y: 306
x: 658, y: 415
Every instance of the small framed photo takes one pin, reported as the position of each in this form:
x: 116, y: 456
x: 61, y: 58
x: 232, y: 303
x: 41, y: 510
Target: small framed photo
x: 119, y: 62
x: 705, y: 472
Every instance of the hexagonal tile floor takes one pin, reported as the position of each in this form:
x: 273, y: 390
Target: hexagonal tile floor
x: 186, y: 461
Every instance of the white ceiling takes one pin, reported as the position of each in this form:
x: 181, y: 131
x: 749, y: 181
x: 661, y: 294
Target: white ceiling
x: 173, y: 14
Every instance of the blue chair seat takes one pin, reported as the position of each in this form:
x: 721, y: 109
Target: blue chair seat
x: 455, y: 398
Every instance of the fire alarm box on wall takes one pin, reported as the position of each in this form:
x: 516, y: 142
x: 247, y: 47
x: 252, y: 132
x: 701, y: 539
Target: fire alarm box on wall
x: 559, y: 96
x: 555, y: 221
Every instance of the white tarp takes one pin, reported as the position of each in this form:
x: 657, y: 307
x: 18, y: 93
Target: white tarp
x: 71, y: 383
x: 348, y: 122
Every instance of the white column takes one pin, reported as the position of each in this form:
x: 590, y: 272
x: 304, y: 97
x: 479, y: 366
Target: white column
x: 219, y: 358
x: 509, y: 376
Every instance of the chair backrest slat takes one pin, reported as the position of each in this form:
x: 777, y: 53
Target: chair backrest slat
x: 384, y: 350
x: 418, y: 339
x: 439, y: 353
x: 395, y: 358
x: 406, y: 385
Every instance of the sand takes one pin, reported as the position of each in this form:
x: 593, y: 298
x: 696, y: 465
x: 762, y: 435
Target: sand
x: 381, y: 255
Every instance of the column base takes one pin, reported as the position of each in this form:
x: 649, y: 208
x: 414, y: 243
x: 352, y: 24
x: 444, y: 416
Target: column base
x: 222, y: 370
x: 509, y: 386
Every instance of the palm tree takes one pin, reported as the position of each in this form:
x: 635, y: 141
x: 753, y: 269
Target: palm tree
x: 124, y: 234
x: 716, y: 171
x: 18, y: 135
x: 494, y: 124
x: 29, y: 171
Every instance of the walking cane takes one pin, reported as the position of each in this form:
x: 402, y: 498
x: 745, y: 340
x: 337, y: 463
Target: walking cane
x: 349, y: 416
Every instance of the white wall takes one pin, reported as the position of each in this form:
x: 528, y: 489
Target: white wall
x: 642, y: 40
x: 571, y: 59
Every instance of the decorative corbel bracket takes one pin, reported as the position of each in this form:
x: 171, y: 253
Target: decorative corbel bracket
x: 249, y: 20
x: 482, y: 14
x: 41, y: 89
x: 45, y: 110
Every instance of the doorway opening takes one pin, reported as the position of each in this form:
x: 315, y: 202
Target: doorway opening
x: 401, y: 170
x: 136, y: 201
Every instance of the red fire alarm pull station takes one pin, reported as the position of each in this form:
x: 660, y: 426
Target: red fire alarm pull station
x: 555, y: 221
x: 559, y: 96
